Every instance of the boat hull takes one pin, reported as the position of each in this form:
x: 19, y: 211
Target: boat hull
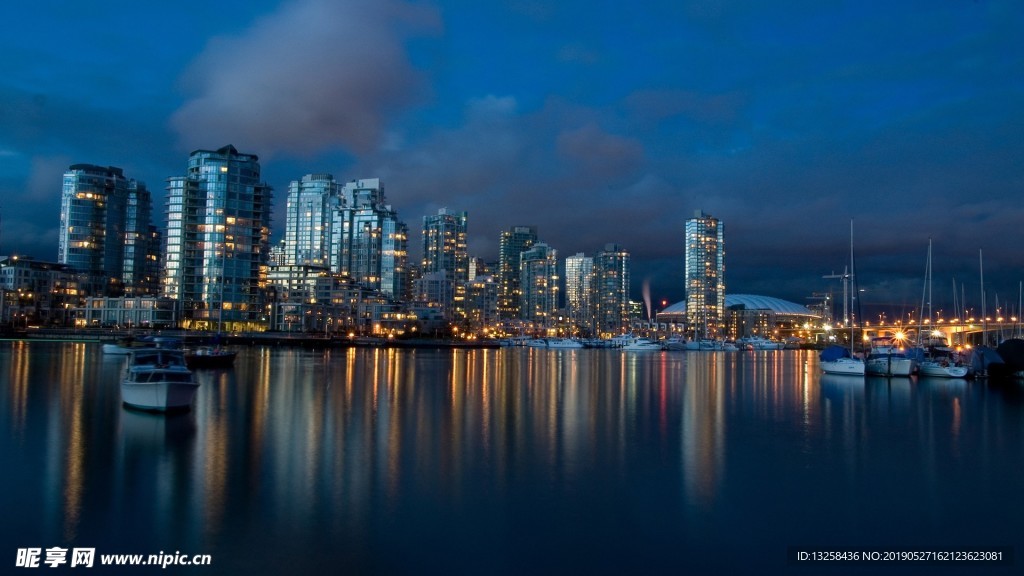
x: 889, y: 366
x: 937, y: 370
x: 846, y: 366
x: 158, y: 396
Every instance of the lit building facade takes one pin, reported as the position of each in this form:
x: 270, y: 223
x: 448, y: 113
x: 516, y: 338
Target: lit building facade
x: 705, y: 275
x: 514, y: 242
x: 218, y: 230
x: 538, y: 283
x: 367, y: 241
x: 105, y: 230
x: 611, y: 291
x: 308, y: 219
x: 579, y: 292
x: 445, y: 253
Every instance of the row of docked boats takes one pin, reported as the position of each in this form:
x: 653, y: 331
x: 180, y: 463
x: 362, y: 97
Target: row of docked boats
x: 887, y: 358
x: 630, y: 342
x: 158, y: 374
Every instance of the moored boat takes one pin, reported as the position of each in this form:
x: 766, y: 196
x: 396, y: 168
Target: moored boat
x: 886, y: 358
x: 158, y: 379
x: 210, y: 357
x: 838, y: 360
x: 640, y: 345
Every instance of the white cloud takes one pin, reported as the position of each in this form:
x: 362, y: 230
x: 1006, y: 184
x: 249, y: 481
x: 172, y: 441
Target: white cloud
x: 316, y: 75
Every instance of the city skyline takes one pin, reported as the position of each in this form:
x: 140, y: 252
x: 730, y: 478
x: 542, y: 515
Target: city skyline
x: 600, y: 125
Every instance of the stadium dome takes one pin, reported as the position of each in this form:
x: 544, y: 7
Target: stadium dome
x: 751, y: 302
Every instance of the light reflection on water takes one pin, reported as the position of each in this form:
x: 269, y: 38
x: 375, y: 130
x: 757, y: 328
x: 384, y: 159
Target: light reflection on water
x: 384, y: 460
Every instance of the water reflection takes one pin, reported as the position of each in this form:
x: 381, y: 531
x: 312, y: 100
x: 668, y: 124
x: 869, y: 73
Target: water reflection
x: 492, y: 460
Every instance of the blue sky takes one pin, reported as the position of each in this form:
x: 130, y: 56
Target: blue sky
x: 596, y: 121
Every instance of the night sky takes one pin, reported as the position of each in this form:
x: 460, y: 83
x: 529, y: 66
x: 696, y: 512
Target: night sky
x: 597, y: 122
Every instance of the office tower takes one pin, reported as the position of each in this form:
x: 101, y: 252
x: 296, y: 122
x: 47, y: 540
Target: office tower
x: 105, y: 230
x: 611, y: 290
x: 218, y: 229
x: 705, y: 275
x: 307, y: 235
x: 514, y: 242
x: 445, y: 253
x: 538, y: 284
x: 579, y: 291
x: 368, y: 243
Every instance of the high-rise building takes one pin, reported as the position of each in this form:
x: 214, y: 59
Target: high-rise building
x: 368, y: 243
x: 579, y: 291
x: 105, y: 231
x: 538, y: 284
x: 308, y: 219
x: 217, y: 245
x: 445, y: 252
x: 514, y: 242
x: 611, y: 290
x: 705, y: 275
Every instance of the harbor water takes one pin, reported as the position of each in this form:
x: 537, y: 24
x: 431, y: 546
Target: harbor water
x: 508, y: 461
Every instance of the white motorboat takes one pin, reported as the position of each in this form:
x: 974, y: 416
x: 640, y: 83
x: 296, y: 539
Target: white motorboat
x: 640, y: 345
x: 758, y: 343
x: 838, y: 360
x: 942, y: 362
x: 158, y: 379
x: 708, y: 345
x: 564, y: 343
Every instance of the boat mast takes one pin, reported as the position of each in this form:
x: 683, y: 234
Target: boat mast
x: 984, y: 321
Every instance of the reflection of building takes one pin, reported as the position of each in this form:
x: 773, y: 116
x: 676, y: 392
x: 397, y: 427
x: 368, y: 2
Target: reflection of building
x: 538, y: 283
x: 514, y: 242
x: 445, y: 254
x: 611, y: 290
x: 106, y: 231
x: 705, y: 275
x: 218, y: 229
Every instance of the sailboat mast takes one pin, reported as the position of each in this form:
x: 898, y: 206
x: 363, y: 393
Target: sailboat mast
x: 984, y: 321
x: 852, y: 341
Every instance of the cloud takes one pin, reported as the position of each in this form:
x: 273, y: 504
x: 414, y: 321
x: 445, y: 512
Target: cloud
x: 314, y: 76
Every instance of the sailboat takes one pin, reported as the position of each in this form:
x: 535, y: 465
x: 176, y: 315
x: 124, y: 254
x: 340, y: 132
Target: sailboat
x: 839, y: 359
x: 939, y: 361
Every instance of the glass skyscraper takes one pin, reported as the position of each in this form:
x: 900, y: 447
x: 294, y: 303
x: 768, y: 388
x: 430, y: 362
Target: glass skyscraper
x: 307, y: 235
x: 538, y: 282
x: 445, y: 252
x: 367, y: 241
x: 218, y: 229
x: 514, y: 242
x: 106, y: 233
x: 705, y: 275
x: 611, y: 290
x: 579, y: 291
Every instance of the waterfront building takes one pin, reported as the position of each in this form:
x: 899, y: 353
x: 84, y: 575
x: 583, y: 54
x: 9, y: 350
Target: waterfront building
x: 127, y: 313
x: 538, y: 285
x: 705, y: 275
x: 749, y: 315
x: 106, y: 231
x: 611, y: 291
x: 37, y: 293
x: 514, y: 242
x: 579, y: 292
x: 482, y: 304
x: 308, y: 219
x: 367, y: 241
x: 445, y: 253
x: 218, y: 229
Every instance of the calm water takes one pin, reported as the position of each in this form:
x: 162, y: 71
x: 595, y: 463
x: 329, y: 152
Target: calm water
x: 372, y: 461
